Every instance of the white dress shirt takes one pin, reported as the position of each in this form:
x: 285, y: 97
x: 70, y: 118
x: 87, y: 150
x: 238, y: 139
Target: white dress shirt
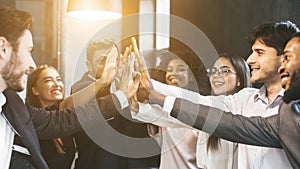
x: 6, y: 137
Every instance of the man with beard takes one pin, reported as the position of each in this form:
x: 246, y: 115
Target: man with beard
x: 16, y: 61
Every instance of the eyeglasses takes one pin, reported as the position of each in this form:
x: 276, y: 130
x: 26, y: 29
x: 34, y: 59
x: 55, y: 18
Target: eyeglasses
x: 222, y: 71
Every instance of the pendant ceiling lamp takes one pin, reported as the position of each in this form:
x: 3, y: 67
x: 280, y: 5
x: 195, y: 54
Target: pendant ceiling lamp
x: 95, y: 9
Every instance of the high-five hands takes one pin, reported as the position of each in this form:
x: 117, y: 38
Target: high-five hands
x: 128, y: 77
x: 107, y: 68
x: 145, y: 86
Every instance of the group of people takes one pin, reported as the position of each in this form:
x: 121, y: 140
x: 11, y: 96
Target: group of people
x: 247, y: 127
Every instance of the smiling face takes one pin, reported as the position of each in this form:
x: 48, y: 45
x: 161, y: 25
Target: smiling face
x: 49, y: 87
x: 177, y: 73
x: 264, y: 63
x: 290, y: 62
x: 223, y: 84
x: 20, y: 63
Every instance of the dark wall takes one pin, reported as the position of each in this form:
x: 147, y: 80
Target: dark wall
x: 227, y: 23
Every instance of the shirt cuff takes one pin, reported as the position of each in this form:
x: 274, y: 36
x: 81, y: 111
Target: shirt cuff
x: 169, y: 104
x: 122, y: 99
x: 146, y: 113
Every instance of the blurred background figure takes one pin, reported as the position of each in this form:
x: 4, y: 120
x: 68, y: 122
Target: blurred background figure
x: 91, y: 155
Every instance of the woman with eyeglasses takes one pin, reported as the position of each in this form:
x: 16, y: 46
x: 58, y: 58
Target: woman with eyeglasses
x: 229, y: 75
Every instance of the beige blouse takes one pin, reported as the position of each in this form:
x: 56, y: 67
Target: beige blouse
x: 178, y: 146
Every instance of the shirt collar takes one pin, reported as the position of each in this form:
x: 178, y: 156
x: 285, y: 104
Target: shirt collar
x: 2, y: 101
x: 262, y: 94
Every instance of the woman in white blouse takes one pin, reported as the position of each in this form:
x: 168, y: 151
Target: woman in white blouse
x: 228, y: 75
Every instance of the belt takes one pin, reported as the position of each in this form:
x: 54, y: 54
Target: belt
x: 20, y: 149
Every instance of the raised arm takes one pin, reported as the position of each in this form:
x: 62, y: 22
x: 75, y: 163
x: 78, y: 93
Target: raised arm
x: 59, y: 123
x: 254, y: 130
x: 108, y: 66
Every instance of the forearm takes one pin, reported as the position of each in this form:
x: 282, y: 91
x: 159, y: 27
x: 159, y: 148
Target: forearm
x: 255, y: 131
x: 258, y: 131
x: 155, y: 114
x: 230, y: 103
x: 156, y: 98
x: 84, y: 95
x: 56, y: 123
x: 59, y: 123
x: 110, y: 106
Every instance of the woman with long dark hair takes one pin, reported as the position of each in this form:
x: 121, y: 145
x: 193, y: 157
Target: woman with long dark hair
x: 45, y: 89
x: 229, y: 74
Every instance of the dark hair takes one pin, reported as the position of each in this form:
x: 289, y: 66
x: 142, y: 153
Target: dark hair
x: 192, y: 84
x: 159, y: 73
x: 274, y: 34
x: 13, y: 23
x: 242, y: 70
x: 199, y: 82
x: 295, y: 35
x: 32, y: 99
x: 243, y: 73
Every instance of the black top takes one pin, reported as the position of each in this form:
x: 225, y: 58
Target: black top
x: 58, y: 153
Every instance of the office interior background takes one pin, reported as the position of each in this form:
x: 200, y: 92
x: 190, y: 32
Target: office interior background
x: 60, y: 39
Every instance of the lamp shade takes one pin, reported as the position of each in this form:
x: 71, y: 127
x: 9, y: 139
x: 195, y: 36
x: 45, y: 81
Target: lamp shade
x: 95, y: 9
